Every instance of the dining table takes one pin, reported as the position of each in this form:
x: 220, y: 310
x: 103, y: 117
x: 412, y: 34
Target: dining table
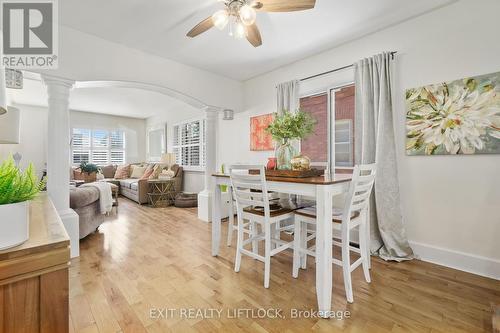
x: 322, y: 189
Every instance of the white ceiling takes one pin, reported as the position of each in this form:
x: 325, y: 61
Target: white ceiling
x: 159, y: 27
x: 125, y: 102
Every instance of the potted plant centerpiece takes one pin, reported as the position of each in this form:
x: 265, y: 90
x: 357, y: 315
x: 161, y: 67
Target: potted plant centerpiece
x: 286, y: 127
x: 17, y: 188
x: 89, y: 171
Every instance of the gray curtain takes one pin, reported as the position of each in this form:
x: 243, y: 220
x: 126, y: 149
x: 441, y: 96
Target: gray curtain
x: 375, y: 143
x: 288, y: 96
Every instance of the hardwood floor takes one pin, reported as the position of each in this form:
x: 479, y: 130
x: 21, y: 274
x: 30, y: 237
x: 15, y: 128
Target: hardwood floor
x: 145, y: 258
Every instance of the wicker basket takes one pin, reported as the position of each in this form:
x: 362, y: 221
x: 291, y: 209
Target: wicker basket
x: 89, y: 177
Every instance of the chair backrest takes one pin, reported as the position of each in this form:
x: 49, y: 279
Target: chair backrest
x: 363, y: 178
x: 249, y: 189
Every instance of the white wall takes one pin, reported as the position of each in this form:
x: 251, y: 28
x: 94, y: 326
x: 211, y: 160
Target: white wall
x: 33, y: 138
x: 33, y: 133
x: 85, y: 57
x: 450, y: 204
x: 135, y: 130
x: 193, y: 180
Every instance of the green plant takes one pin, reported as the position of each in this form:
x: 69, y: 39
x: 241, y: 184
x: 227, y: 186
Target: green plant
x: 289, y: 126
x: 17, y: 186
x: 89, y: 167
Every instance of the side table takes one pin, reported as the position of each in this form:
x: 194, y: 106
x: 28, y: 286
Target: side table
x: 115, y: 190
x: 161, y: 192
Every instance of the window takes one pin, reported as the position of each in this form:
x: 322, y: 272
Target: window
x: 100, y: 147
x: 189, y: 144
x: 332, y: 142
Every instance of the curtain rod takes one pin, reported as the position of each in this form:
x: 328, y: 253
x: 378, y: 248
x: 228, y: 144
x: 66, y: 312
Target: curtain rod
x: 336, y: 70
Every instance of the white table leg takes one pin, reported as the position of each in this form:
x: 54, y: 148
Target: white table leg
x: 216, y: 222
x: 324, y: 249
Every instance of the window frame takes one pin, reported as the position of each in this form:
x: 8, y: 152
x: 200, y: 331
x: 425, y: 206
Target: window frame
x: 90, y: 149
x: 202, y: 144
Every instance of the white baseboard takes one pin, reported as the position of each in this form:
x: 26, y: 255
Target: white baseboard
x: 466, y: 262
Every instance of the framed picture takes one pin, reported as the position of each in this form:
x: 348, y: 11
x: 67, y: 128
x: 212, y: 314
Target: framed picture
x: 454, y: 118
x: 260, y: 140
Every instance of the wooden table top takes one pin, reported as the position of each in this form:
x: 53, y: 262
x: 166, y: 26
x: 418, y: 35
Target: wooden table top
x: 319, y: 180
x: 46, y: 230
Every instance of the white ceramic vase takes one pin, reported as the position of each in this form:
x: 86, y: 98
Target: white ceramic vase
x: 14, y: 224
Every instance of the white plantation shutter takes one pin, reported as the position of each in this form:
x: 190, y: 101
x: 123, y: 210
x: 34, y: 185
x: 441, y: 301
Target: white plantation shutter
x: 100, y: 157
x: 188, y: 144
x: 117, y: 143
x: 117, y: 140
x: 99, y: 147
x: 100, y: 139
x: 80, y: 156
x: 117, y: 157
x: 80, y: 146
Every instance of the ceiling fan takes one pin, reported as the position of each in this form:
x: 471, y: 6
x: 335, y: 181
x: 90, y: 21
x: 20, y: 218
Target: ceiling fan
x: 240, y: 15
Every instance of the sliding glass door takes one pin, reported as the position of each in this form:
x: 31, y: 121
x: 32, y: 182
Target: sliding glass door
x: 332, y: 143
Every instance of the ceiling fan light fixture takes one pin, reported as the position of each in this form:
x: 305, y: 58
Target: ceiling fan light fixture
x: 240, y: 30
x: 247, y: 15
x: 220, y: 19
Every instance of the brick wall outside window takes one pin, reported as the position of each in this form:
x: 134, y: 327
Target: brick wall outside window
x: 316, y: 145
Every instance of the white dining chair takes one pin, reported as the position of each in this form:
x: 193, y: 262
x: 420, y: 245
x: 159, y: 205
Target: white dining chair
x: 253, y: 205
x: 231, y: 226
x: 353, y: 215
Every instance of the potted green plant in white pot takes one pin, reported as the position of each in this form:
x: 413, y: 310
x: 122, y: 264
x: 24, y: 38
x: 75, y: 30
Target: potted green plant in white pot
x: 17, y: 189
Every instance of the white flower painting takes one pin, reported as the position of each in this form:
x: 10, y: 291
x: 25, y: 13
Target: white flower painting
x: 458, y: 117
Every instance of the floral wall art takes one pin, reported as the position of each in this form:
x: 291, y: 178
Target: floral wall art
x: 261, y: 140
x: 458, y: 117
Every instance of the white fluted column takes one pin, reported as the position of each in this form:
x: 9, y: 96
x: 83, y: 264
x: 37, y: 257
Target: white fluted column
x: 58, y: 155
x: 205, y: 197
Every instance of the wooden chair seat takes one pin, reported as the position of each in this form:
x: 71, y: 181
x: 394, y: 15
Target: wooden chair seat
x: 278, y: 211
x: 336, y: 214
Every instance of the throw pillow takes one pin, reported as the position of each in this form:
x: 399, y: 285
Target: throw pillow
x: 108, y: 171
x: 137, y: 172
x: 122, y: 171
x: 148, y: 172
x: 156, y: 171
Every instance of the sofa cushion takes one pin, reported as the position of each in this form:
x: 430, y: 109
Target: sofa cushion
x: 137, y: 172
x: 122, y: 171
x: 82, y: 196
x: 108, y: 171
x: 148, y: 171
x: 127, y: 183
x: 156, y: 171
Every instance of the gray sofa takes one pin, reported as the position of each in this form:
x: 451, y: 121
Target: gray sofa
x: 137, y: 189
x: 85, y: 202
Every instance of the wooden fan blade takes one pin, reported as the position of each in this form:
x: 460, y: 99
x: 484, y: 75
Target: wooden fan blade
x: 284, y: 5
x: 201, y: 27
x: 253, y: 35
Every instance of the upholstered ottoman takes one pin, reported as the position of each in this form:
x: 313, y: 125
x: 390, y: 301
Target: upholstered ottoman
x: 85, y: 202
